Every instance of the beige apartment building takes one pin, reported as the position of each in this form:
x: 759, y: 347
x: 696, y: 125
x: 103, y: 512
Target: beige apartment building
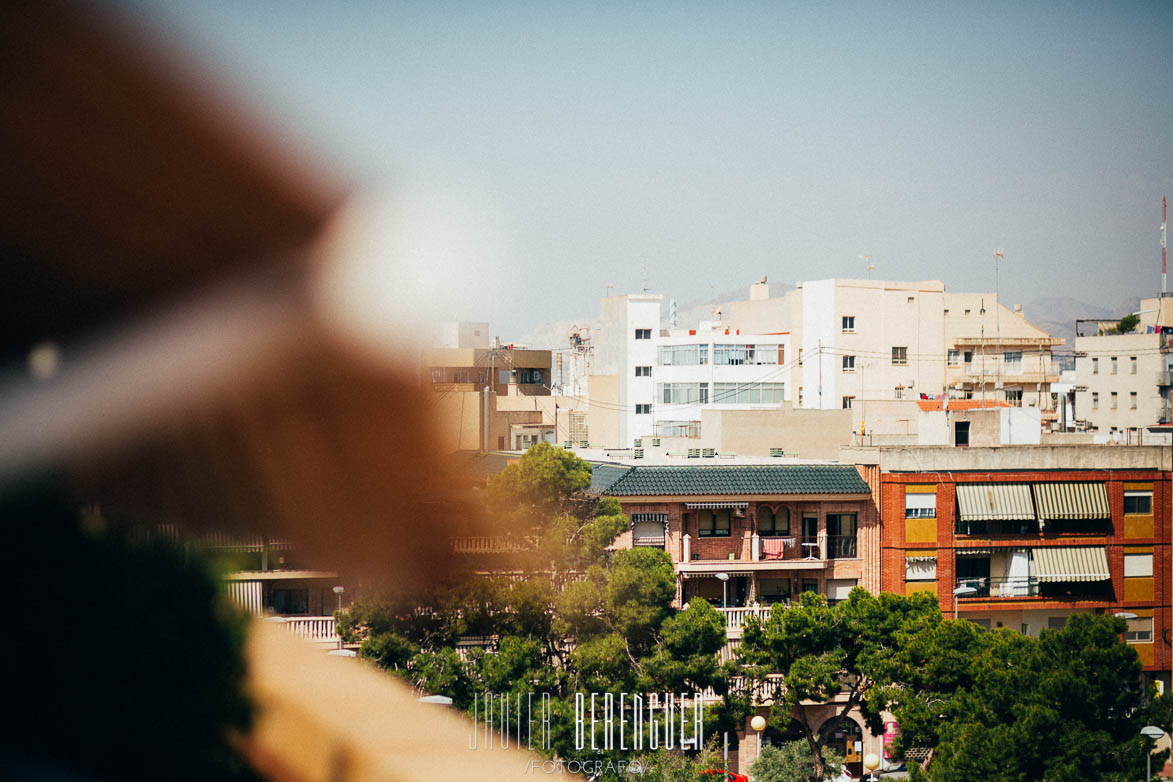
x: 861, y: 340
x: 1123, y: 381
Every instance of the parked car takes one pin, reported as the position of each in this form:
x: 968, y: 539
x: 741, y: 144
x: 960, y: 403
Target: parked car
x: 724, y: 776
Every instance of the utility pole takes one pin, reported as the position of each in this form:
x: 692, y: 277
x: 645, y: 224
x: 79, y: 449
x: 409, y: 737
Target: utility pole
x: 998, y: 322
x: 820, y: 374
x: 982, y: 313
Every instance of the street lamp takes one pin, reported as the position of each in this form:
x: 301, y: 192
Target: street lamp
x: 724, y: 579
x: 1154, y: 733
x: 758, y: 723
x: 338, y: 590
x: 871, y: 762
x: 964, y: 589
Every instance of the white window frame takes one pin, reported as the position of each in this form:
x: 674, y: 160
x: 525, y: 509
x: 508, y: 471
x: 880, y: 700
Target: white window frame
x: 848, y: 324
x: 1140, y: 630
x: 1147, y: 493
x: 900, y: 359
x: 1138, y: 565
x: 920, y: 505
x: 849, y: 363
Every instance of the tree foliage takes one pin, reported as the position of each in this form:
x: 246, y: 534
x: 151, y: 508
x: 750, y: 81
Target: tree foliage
x: 1126, y: 324
x: 584, y: 619
x: 824, y: 651
x: 792, y: 762
x: 999, y: 705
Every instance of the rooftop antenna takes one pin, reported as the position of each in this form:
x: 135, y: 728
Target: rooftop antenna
x: 643, y: 275
x: 1164, y: 291
x: 871, y: 267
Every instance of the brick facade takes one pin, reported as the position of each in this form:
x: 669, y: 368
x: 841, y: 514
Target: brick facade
x: 894, y: 546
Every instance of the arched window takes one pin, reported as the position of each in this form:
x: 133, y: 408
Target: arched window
x: 771, y: 522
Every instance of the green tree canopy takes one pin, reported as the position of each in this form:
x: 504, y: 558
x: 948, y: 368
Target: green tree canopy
x: 824, y: 651
x: 1000, y: 705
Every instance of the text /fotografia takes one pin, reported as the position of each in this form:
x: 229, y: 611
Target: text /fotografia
x: 602, y: 721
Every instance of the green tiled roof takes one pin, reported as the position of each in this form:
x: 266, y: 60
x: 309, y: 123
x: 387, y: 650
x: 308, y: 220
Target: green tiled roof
x: 603, y: 476
x: 731, y: 479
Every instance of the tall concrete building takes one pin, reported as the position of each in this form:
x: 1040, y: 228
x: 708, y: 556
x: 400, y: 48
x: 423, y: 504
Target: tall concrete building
x: 665, y: 378
x: 1123, y: 381
x: 880, y: 340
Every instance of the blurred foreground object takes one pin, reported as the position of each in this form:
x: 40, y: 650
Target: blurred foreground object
x: 334, y: 719
x: 162, y: 276
x: 165, y: 350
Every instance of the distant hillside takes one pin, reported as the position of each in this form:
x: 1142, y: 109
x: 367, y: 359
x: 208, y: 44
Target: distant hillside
x: 1057, y: 315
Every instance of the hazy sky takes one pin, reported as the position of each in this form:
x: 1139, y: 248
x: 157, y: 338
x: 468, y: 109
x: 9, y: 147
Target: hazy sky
x: 718, y: 142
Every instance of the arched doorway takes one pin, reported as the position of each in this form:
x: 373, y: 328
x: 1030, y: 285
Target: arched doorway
x: 845, y: 737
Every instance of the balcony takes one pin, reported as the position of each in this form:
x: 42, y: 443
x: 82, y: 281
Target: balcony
x: 995, y: 528
x: 1012, y: 587
x: 735, y: 617
x: 1165, y: 378
x: 488, y: 544
x: 841, y: 547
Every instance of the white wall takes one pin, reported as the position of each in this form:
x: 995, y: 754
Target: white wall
x: 818, y: 332
x: 1020, y: 425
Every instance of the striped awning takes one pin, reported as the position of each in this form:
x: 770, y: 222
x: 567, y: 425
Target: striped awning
x: 732, y: 574
x: 994, y: 501
x: 1071, y: 563
x: 1070, y: 500
x: 712, y: 505
x: 973, y: 552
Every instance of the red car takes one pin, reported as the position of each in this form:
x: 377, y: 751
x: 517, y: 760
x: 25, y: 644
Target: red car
x: 724, y: 776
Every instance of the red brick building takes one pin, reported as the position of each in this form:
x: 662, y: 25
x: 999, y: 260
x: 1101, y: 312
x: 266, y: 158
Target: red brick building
x: 1025, y: 536
x: 772, y: 530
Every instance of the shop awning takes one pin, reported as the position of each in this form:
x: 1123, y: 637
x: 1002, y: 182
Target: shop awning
x: 994, y: 501
x: 1070, y: 500
x: 1071, y: 563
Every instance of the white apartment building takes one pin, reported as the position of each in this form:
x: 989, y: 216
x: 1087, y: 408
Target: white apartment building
x: 867, y: 340
x: 664, y: 379
x: 1123, y: 381
x: 715, y: 367
x: 625, y: 348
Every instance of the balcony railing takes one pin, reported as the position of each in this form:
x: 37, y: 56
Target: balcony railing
x: 312, y: 628
x: 1030, y: 586
x: 768, y: 548
x: 1016, y: 527
x: 1009, y: 586
x: 1032, y: 528
x: 487, y: 544
x: 735, y: 617
x: 841, y: 547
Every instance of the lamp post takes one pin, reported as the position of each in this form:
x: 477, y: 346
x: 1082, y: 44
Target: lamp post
x: 1154, y: 733
x: 758, y: 723
x: 338, y: 590
x: 724, y: 579
x: 871, y: 762
x: 964, y: 589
